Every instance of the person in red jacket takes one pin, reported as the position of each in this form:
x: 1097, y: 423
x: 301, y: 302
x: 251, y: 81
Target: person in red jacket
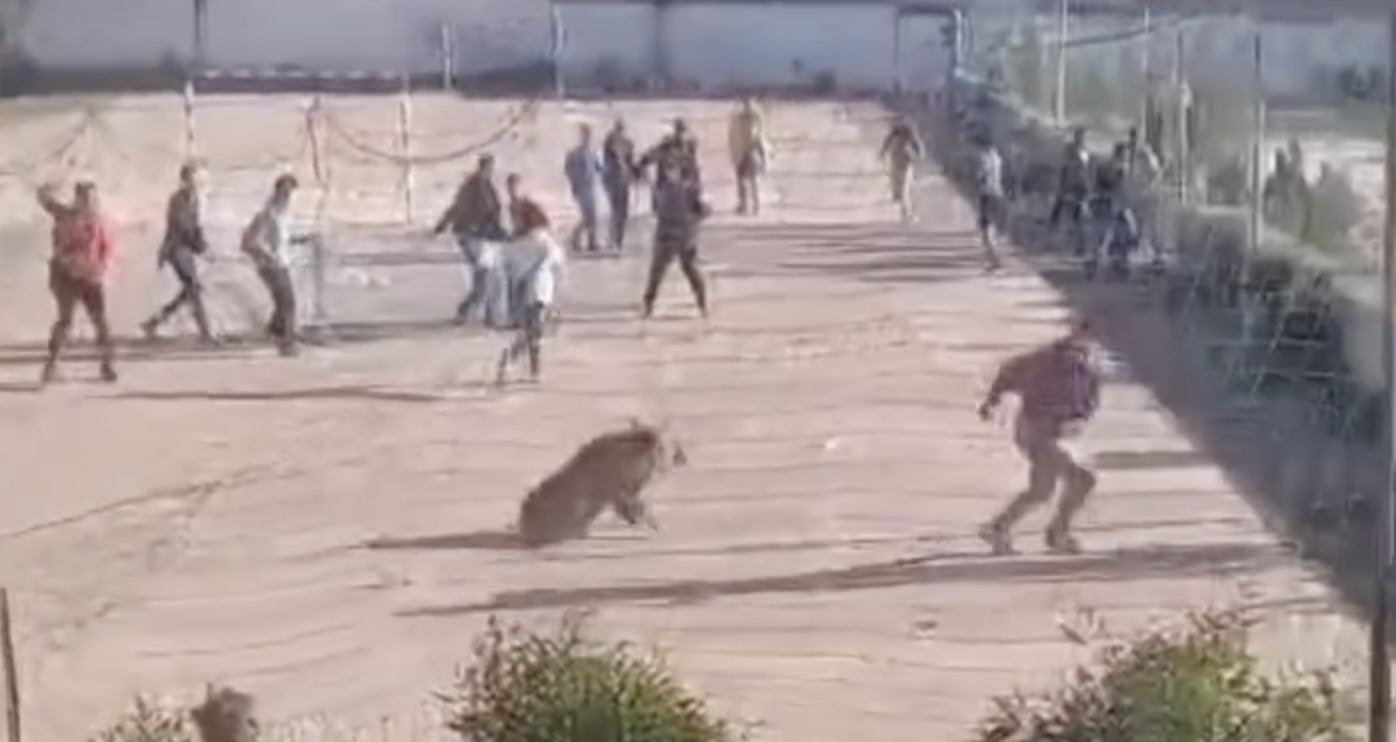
x: 82, y: 253
x: 1059, y: 387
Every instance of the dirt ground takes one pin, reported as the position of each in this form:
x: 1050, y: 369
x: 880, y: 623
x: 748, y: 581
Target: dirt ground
x: 323, y: 531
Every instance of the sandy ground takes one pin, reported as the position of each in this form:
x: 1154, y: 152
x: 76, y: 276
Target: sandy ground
x: 322, y: 531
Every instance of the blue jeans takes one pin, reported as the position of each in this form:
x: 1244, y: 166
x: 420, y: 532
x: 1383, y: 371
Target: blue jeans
x: 487, y: 298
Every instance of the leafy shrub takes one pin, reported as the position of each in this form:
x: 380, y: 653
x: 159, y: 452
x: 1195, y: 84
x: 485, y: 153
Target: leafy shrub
x: 525, y: 687
x: 150, y: 721
x: 1199, y: 684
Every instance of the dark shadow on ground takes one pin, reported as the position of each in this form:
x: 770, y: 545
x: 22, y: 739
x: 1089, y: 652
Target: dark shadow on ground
x: 360, y: 392
x: 484, y: 540
x: 1123, y: 565
x: 1267, y: 444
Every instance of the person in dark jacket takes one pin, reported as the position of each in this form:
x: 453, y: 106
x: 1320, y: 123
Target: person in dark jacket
x: 183, y: 246
x: 1059, y: 388
x: 678, y: 211
x: 475, y: 217
x: 618, y: 152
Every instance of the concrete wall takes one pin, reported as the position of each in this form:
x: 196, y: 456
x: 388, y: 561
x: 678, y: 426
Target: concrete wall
x: 769, y: 45
x: 108, y: 33
x: 388, y: 36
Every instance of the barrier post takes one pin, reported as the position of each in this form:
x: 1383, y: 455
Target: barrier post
x: 317, y: 245
x: 404, y: 133
x: 7, y: 655
x: 448, y: 57
x: 189, y: 117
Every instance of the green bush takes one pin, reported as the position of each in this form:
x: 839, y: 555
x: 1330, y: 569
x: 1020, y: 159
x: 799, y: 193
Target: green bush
x: 525, y: 687
x: 1198, y: 684
x: 150, y: 721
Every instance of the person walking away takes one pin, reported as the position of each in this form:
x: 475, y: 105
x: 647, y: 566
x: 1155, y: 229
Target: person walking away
x: 989, y: 180
x: 750, y: 152
x: 77, y: 272
x: 679, y: 209
x: 475, y: 218
x: 1059, y: 389
x: 267, y: 241
x: 901, y: 150
x: 618, y: 153
x: 536, y: 268
x: 183, y: 246
x: 584, y: 171
x: 1072, y: 187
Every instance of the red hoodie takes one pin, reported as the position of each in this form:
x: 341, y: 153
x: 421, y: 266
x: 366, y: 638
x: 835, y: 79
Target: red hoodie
x: 82, y: 244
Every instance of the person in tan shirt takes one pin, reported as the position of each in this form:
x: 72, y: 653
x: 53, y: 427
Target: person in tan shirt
x: 750, y: 152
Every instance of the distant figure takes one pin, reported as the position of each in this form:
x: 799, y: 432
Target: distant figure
x: 750, y: 153
x: 901, y: 150
x: 989, y: 180
x: 1073, y: 187
x: 621, y: 169
x: 183, y: 246
x: 1060, y: 391
x: 534, y: 265
x: 77, y: 271
x: 678, y: 211
x: 267, y: 241
x: 584, y: 170
x: 475, y: 218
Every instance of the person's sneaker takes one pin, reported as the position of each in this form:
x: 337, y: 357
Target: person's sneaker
x: 210, y: 341
x: 49, y: 374
x: 997, y: 538
x: 288, y: 350
x: 108, y: 374
x: 150, y: 329
x: 1061, y: 542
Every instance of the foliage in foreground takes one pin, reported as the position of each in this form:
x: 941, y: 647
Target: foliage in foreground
x: 1198, y: 684
x: 562, y: 687
x: 150, y: 721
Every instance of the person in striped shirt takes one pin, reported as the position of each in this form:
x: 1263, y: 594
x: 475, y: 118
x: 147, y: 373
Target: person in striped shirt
x: 1059, y: 388
x: 77, y: 273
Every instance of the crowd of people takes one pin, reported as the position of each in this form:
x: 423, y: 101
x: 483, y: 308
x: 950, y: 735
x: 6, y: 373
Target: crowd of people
x: 517, y: 267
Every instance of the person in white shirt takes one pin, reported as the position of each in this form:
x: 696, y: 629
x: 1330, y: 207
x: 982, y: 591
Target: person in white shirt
x: 988, y: 173
x: 267, y: 241
x: 535, y: 263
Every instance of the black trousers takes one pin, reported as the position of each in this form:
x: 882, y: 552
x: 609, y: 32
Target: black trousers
x: 69, y: 292
x: 185, y: 265
x: 665, y: 252
x: 282, y: 323
x: 618, y: 196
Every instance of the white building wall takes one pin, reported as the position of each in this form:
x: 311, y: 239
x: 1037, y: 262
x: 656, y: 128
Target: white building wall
x: 108, y: 33
x: 376, y: 35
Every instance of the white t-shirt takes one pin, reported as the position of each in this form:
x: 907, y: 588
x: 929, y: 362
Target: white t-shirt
x: 268, y: 236
x: 538, y: 260
x: 989, y: 172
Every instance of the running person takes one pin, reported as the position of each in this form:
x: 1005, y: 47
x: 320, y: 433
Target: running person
x: 901, y: 150
x: 182, y: 248
x: 1059, y: 387
x: 535, y: 265
x: 988, y: 173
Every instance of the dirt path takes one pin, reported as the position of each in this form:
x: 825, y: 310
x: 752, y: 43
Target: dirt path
x: 321, y: 531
